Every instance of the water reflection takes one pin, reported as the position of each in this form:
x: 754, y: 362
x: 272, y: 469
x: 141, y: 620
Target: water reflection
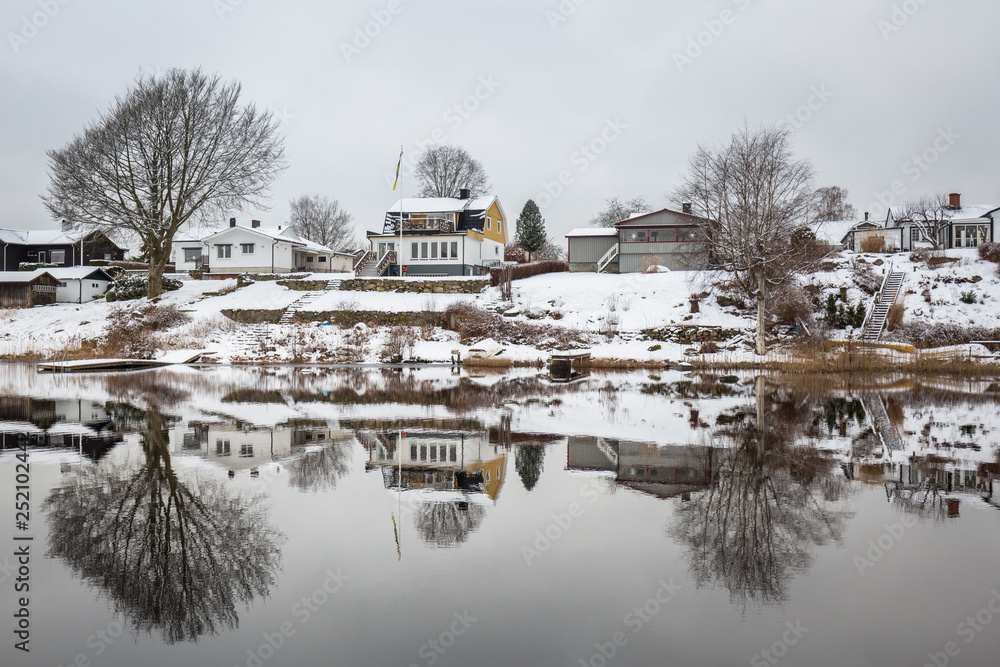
x: 449, y: 477
x: 178, y: 556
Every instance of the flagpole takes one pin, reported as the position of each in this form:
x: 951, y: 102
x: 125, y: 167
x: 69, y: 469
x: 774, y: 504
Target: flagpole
x: 399, y: 253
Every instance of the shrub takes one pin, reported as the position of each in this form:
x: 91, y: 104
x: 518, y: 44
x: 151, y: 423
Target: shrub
x: 650, y: 263
x: 789, y: 304
x: 968, y: 297
x: 841, y: 315
x: 473, y: 323
x: 895, y: 318
x: 872, y: 243
x: 133, y: 334
x: 31, y: 266
x: 521, y: 271
x: 132, y: 266
x: 866, y: 279
x: 514, y: 253
x: 990, y: 252
x: 925, y: 334
x: 130, y: 286
x: 709, y: 347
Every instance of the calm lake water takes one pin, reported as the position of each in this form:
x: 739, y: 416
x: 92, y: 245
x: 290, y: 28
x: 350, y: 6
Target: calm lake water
x: 311, y: 516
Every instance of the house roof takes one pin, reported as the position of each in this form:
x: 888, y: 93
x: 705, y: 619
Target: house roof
x: 22, y: 276
x: 638, y: 218
x: 442, y: 204
x: 971, y: 212
x: 592, y: 231
x: 833, y: 231
x: 78, y: 273
x: 38, y: 237
x: 284, y: 234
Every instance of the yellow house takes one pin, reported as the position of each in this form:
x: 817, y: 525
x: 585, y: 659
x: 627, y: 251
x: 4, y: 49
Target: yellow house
x: 441, y: 236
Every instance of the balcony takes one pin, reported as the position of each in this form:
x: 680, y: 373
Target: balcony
x: 417, y: 224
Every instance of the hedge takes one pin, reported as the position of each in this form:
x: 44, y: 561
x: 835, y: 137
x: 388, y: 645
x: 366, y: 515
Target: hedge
x: 521, y: 271
x: 128, y: 286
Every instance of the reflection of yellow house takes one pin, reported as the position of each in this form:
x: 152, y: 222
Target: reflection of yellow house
x: 440, y: 461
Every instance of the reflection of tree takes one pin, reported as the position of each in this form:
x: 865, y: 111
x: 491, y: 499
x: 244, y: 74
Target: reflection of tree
x: 529, y: 461
x: 174, y: 556
x: 448, y: 524
x: 319, y: 469
x: 767, y: 506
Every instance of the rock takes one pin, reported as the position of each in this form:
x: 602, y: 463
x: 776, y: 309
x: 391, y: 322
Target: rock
x: 729, y: 379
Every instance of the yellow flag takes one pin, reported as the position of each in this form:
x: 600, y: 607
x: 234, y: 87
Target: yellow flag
x: 398, y: 165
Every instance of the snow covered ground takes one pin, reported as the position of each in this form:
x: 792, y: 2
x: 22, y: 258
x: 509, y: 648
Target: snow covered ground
x: 609, y: 310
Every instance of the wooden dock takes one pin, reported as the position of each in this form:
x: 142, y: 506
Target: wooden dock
x: 569, y: 366
x: 97, y: 365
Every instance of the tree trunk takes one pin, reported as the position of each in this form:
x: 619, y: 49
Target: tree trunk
x: 157, y: 261
x: 761, y: 315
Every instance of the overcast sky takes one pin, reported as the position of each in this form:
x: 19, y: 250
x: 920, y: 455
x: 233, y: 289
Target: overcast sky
x: 611, y: 96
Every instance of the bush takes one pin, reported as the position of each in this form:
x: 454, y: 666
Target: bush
x: 473, y: 323
x: 133, y: 335
x: 31, y: 266
x: 865, y: 277
x: 968, y: 297
x: 130, y: 286
x: 872, y: 243
x: 514, y: 253
x: 709, y: 347
x: 990, y: 252
x: 924, y: 334
x: 789, y: 304
x: 841, y: 315
x: 895, y: 318
x: 521, y: 271
x: 131, y: 266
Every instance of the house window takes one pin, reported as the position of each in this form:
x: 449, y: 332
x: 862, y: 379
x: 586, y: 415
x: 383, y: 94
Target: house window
x: 453, y: 453
x: 434, y: 453
x: 498, y: 473
x: 489, y: 223
x: 322, y: 258
x: 246, y: 451
x: 57, y: 256
x: 192, y: 255
x: 487, y: 476
x: 444, y: 250
x: 688, y: 235
x: 423, y: 250
x: 224, y: 251
x: 247, y: 248
x: 496, y: 250
x: 914, y: 234
x: 222, y: 448
x: 413, y: 251
x: 636, y: 236
x: 413, y: 452
x: 970, y: 236
x: 309, y: 258
x: 454, y: 249
x: 95, y: 285
x: 654, y: 237
x: 499, y: 226
x: 434, y: 250
x: 423, y: 452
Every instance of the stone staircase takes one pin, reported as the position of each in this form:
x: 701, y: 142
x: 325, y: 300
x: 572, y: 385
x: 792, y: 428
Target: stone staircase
x: 288, y: 317
x: 252, y: 340
x: 876, y: 320
x: 333, y: 285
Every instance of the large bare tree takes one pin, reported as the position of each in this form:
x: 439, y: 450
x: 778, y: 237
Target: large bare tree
x: 443, y: 171
x: 321, y: 220
x: 616, y: 210
x: 832, y: 204
x: 757, y: 195
x: 173, y: 147
x: 929, y: 217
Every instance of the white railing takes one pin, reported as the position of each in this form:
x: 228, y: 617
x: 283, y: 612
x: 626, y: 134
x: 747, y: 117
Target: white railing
x: 609, y: 257
x: 439, y: 224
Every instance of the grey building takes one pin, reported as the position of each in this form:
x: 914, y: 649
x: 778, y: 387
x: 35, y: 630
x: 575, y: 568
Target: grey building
x: 665, y: 238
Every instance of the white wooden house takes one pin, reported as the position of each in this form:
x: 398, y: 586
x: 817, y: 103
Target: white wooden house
x: 255, y: 249
x: 80, y: 284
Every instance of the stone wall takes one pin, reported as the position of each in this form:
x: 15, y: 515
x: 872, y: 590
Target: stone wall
x: 303, y: 285
x: 686, y: 335
x: 254, y: 316
x: 416, y: 286
x: 373, y: 318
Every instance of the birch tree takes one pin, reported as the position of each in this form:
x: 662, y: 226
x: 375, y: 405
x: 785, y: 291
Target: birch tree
x: 321, y: 220
x: 756, y: 195
x: 173, y: 148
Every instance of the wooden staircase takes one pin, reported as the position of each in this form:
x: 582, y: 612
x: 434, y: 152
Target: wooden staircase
x: 610, y: 256
x: 879, y: 313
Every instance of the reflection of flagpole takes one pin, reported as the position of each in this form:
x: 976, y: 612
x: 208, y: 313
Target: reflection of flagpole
x: 399, y: 486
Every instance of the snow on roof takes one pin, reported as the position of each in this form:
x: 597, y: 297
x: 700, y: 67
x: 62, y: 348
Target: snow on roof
x: 971, y: 212
x: 833, y: 231
x: 21, y: 276
x: 592, y: 231
x: 76, y: 272
x: 38, y: 236
x: 441, y: 204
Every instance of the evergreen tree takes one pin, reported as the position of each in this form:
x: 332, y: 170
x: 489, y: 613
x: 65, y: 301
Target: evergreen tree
x: 529, y: 464
x: 531, y: 228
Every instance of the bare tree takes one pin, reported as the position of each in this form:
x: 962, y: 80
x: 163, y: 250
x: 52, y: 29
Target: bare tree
x: 929, y: 215
x: 173, y: 147
x: 616, y: 210
x: 549, y: 251
x: 321, y: 220
x: 443, y: 171
x: 756, y: 195
x: 832, y: 204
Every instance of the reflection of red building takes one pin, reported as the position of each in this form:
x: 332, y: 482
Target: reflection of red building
x: 662, y: 471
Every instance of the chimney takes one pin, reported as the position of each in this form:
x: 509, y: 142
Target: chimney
x: 955, y: 200
x: 254, y: 224
x: 232, y: 222
x: 66, y: 225
x: 463, y: 193
x: 686, y: 207
x: 867, y: 214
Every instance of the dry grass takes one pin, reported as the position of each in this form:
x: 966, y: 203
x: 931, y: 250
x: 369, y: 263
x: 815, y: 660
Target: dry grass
x: 873, y: 243
x: 895, y: 316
